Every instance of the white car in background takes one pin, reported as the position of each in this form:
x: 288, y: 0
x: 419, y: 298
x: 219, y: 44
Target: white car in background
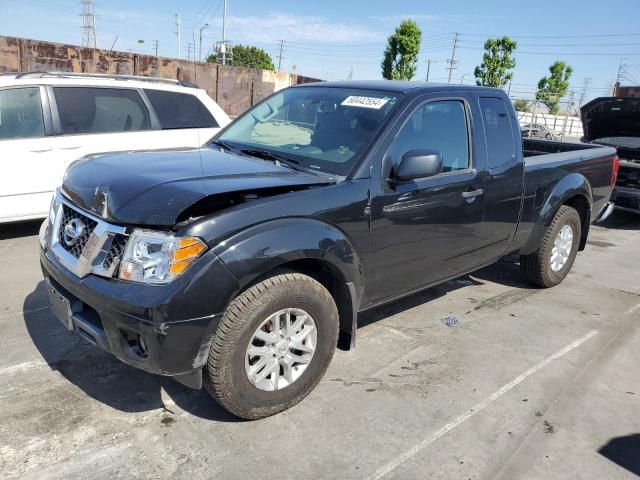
x: 48, y: 120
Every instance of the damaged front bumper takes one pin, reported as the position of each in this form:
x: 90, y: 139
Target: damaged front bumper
x: 162, y: 329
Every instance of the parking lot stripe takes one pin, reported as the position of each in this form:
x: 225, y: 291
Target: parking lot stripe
x: 632, y: 309
x: 400, y: 459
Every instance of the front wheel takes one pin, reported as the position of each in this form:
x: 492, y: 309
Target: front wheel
x: 551, y: 263
x: 273, y: 345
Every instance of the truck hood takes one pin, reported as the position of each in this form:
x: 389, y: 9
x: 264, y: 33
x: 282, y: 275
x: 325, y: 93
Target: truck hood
x: 607, y: 117
x: 155, y: 187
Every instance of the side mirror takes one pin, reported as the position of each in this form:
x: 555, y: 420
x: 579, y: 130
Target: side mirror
x: 418, y: 164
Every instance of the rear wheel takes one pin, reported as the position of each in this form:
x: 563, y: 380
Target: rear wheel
x: 273, y: 345
x: 551, y: 263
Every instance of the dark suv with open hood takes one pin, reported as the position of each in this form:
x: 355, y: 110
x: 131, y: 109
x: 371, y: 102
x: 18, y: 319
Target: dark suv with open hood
x: 615, y: 122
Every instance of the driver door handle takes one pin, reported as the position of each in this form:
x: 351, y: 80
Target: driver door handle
x: 473, y: 193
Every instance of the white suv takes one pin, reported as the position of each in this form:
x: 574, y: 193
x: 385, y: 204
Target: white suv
x: 48, y: 120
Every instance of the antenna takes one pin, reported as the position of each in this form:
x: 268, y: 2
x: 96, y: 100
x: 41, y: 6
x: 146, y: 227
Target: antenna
x: 88, y: 23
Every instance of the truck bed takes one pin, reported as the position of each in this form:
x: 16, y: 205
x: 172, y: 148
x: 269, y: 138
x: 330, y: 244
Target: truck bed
x: 535, y: 147
x: 546, y: 164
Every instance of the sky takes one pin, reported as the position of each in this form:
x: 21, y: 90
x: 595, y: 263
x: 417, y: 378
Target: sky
x: 335, y: 39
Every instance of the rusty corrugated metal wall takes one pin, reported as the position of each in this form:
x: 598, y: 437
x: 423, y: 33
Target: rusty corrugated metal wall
x: 234, y: 88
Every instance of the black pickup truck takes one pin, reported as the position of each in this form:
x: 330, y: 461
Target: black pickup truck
x: 615, y: 122
x: 242, y: 265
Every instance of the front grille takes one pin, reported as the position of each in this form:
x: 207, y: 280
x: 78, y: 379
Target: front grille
x: 75, y: 246
x: 115, y: 252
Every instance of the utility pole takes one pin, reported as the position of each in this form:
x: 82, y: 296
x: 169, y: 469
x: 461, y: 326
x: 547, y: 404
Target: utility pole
x: 428, y: 68
x: 224, y: 34
x: 88, y: 23
x: 155, y: 45
x: 583, y: 94
x: 350, y: 76
x: 178, y: 33
x: 206, y: 25
x: 452, y: 62
x: 188, y: 50
x: 280, y: 58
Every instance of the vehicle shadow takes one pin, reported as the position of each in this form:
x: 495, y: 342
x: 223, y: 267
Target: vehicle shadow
x: 20, y: 229
x: 504, y: 272
x: 103, y: 377
x: 620, y: 220
x: 624, y: 451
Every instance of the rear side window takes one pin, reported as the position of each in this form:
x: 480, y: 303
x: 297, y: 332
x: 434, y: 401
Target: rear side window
x: 101, y: 110
x: 180, y: 110
x: 21, y: 113
x: 500, y: 142
x: 440, y: 126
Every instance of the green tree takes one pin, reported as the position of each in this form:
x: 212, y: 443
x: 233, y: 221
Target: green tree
x: 247, y: 56
x: 401, y: 55
x: 497, y: 64
x: 552, y: 88
x: 521, y: 105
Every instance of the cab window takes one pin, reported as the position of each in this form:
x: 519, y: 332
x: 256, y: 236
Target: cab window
x: 440, y: 126
x: 500, y: 141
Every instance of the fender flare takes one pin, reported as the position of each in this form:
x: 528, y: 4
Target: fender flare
x: 255, y: 251
x: 574, y: 185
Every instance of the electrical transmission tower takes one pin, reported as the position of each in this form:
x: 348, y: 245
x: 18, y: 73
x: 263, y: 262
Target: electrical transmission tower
x: 88, y: 23
x: 585, y: 88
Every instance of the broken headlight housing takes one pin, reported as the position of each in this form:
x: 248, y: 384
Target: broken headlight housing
x: 158, y: 258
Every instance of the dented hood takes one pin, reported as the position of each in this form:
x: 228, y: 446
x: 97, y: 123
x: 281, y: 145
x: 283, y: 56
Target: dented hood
x: 155, y: 187
x: 607, y: 117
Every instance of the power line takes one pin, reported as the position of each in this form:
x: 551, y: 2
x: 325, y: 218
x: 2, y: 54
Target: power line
x: 602, y: 35
x: 566, y: 54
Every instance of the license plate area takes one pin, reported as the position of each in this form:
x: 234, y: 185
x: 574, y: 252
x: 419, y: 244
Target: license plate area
x: 62, y: 306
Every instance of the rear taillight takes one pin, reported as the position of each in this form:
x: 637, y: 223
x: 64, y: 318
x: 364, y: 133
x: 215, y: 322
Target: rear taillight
x: 614, y: 174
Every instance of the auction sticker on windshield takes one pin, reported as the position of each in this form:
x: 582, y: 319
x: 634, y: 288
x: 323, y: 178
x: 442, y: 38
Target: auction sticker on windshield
x: 365, y: 102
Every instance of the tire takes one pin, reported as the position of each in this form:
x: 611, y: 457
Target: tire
x: 537, y: 267
x: 226, y: 377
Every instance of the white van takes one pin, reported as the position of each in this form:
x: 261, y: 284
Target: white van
x: 48, y: 120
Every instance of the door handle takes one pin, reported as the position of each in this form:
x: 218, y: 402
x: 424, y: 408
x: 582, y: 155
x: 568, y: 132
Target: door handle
x: 42, y: 150
x: 473, y: 193
x: 70, y: 148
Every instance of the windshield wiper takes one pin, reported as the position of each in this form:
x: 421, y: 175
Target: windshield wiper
x: 223, y: 144
x: 274, y: 157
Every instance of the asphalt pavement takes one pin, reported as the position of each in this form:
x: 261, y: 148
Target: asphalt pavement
x: 482, y: 377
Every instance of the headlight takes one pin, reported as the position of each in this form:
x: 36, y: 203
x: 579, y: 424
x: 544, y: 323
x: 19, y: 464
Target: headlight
x: 153, y: 257
x: 47, y: 225
x: 54, y: 207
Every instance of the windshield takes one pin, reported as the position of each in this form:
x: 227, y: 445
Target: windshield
x: 319, y: 128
